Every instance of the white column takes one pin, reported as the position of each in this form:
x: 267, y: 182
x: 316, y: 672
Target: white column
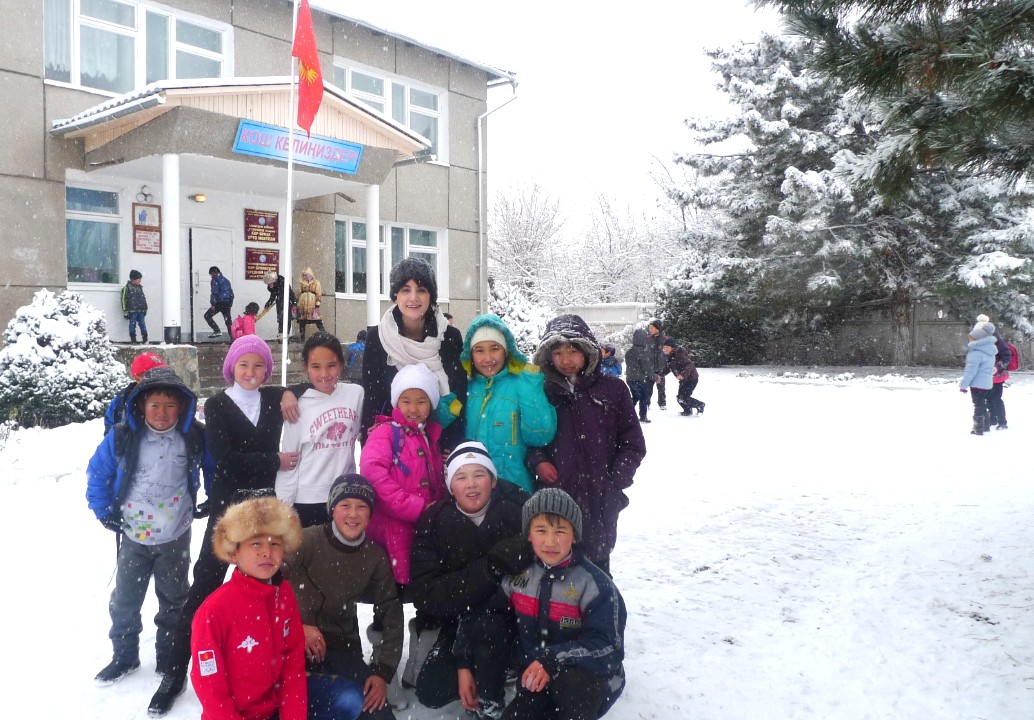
x: 172, y: 302
x: 373, y: 255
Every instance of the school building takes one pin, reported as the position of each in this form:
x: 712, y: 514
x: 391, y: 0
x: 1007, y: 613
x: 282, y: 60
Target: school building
x: 152, y: 136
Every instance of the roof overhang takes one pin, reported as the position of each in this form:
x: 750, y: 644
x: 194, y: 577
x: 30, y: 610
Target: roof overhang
x: 201, y: 118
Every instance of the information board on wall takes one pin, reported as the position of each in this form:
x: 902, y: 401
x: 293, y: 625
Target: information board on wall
x: 258, y: 261
x: 261, y: 226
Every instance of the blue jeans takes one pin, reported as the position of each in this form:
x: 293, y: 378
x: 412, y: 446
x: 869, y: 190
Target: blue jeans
x: 135, y: 317
x: 332, y: 697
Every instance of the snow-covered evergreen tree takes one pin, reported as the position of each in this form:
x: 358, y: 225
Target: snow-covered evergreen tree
x: 797, y: 243
x: 526, y: 320
x: 58, y: 365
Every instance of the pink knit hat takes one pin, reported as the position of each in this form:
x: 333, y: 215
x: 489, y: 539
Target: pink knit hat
x: 242, y: 346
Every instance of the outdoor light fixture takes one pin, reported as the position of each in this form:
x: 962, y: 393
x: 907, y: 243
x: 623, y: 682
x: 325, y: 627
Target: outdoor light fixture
x: 198, y: 198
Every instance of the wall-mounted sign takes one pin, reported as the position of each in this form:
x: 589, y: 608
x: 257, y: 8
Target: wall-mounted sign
x: 258, y: 261
x: 261, y: 226
x: 270, y: 141
x: 147, y: 228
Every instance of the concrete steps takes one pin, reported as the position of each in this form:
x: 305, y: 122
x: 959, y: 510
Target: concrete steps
x: 210, y: 357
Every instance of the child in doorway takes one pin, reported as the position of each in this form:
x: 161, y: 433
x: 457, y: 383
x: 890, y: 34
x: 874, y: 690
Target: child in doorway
x: 402, y: 461
x: 680, y: 364
x: 571, y: 657
x: 134, y: 305
x: 247, y: 640
x: 507, y: 409
x: 978, y: 375
x: 117, y: 407
x: 245, y: 324
x: 142, y: 484
x: 599, y: 442
x: 609, y: 363
x: 326, y: 432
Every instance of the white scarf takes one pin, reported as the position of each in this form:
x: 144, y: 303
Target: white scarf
x: 402, y: 351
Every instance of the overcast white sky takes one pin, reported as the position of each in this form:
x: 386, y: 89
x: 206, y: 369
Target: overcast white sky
x: 602, y: 90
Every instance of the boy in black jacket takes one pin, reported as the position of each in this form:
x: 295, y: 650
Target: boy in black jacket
x: 134, y: 305
x: 681, y: 366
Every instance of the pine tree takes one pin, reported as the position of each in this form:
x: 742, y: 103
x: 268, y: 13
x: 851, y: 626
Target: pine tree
x: 526, y: 320
x: 58, y: 365
x: 954, y: 78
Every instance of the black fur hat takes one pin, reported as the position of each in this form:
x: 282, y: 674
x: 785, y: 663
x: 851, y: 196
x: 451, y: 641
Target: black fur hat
x: 413, y: 268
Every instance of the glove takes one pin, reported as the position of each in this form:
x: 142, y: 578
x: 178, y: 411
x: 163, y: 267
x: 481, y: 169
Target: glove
x: 112, y: 522
x: 509, y: 556
x: 202, y: 510
x: 125, y: 315
x: 963, y: 390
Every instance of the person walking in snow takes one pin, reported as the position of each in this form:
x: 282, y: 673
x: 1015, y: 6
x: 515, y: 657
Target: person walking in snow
x: 134, y: 305
x: 640, y: 371
x: 221, y: 300
x: 978, y: 375
x: 680, y: 364
x: 598, y: 444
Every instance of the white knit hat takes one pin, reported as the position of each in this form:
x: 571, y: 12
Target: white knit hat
x: 417, y: 376
x: 487, y: 332
x: 468, y: 453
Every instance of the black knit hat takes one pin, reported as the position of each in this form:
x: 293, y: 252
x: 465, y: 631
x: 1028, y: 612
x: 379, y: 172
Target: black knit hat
x: 413, y: 268
x: 670, y: 342
x: 657, y: 324
x: 350, y: 486
x: 556, y: 502
x: 135, y: 274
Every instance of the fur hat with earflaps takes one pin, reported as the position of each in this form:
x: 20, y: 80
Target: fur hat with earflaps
x: 258, y: 516
x: 552, y: 501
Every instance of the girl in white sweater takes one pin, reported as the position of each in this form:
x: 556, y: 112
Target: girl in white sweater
x: 325, y: 434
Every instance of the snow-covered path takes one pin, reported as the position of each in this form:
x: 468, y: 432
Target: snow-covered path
x: 804, y: 550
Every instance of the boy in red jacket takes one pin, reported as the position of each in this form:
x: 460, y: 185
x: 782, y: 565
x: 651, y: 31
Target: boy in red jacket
x: 247, y: 640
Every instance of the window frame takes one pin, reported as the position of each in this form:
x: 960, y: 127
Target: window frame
x: 117, y: 219
x: 441, y: 151
x: 141, y: 9
x: 440, y: 251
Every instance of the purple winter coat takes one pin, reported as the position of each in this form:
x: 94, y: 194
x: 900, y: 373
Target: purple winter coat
x: 599, y: 443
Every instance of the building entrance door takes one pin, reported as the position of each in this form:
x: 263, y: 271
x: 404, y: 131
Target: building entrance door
x: 208, y: 247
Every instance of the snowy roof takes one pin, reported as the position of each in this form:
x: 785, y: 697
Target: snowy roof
x: 156, y: 93
x: 496, y: 75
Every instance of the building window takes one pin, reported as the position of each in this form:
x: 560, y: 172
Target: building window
x: 116, y: 46
x: 92, y: 225
x: 418, y: 108
x: 405, y: 241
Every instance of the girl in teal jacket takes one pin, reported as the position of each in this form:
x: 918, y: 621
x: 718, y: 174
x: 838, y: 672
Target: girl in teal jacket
x: 507, y: 409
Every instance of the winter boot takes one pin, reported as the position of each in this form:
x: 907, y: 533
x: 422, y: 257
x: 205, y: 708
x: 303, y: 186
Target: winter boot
x: 643, y: 418
x: 420, y: 644
x: 132, y: 339
x: 145, y: 339
x: 115, y: 671
x: 978, y: 428
x: 171, y: 688
x: 700, y: 407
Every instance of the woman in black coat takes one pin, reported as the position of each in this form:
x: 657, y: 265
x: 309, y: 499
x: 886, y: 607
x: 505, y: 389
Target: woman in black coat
x: 414, y: 330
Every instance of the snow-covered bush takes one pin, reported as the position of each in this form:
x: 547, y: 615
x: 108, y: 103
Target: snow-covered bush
x: 526, y: 320
x: 58, y: 365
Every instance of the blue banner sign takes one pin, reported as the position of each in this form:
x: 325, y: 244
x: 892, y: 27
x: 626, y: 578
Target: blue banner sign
x: 270, y: 141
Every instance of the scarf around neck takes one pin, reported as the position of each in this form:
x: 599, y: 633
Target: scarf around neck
x: 402, y: 351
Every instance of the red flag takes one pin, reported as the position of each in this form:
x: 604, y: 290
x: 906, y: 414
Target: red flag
x: 310, y: 76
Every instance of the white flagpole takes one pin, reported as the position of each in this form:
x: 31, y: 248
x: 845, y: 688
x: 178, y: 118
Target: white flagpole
x: 286, y: 245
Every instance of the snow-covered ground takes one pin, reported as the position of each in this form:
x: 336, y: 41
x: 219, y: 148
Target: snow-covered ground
x: 812, y: 547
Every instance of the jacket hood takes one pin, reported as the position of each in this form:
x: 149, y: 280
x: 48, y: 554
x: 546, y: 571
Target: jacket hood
x: 567, y: 329
x: 166, y: 378
x: 985, y: 345
x: 515, y: 359
x: 641, y: 338
x: 307, y: 272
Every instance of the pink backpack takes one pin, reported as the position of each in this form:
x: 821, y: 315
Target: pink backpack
x: 237, y: 327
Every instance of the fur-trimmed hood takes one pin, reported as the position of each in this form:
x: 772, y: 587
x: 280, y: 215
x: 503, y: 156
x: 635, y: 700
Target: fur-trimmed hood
x: 258, y: 516
x: 567, y: 329
x: 515, y: 359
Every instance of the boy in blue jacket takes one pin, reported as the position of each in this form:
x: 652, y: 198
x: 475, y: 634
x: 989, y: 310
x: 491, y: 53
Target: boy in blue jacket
x: 570, y: 657
x: 142, y: 484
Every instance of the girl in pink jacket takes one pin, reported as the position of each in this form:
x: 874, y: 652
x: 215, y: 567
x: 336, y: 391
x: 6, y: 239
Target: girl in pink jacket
x: 402, y: 461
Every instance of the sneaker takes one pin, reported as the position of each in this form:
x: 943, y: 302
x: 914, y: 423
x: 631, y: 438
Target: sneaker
x: 1003, y: 426
x: 644, y: 420
x: 214, y: 335
x: 171, y: 688
x: 686, y: 413
x: 115, y: 671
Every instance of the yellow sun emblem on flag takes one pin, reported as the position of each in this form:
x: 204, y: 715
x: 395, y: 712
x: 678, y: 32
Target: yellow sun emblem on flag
x: 307, y: 74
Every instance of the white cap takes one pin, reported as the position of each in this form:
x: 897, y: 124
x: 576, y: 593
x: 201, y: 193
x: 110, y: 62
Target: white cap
x: 417, y: 376
x: 468, y: 453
